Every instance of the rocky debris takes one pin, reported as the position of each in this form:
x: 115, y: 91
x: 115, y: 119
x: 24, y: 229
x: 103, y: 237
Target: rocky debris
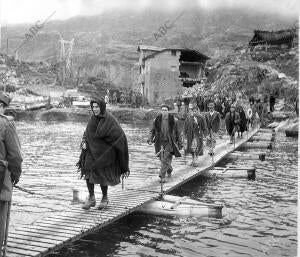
x: 17, y: 77
x: 19, y: 73
x: 237, y: 75
x: 194, y: 90
x: 283, y: 60
x: 243, y: 72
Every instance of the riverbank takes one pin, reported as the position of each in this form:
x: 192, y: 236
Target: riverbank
x: 126, y: 115
x: 123, y: 114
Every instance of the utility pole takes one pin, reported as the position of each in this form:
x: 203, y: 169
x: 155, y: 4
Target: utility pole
x: 7, y: 51
x: 7, y: 62
x: 65, y: 59
x: 77, y: 83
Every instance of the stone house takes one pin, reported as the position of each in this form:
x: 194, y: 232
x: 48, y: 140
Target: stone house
x: 164, y: 72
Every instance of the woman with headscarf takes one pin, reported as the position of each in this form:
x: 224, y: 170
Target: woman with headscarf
x: 104, y: 157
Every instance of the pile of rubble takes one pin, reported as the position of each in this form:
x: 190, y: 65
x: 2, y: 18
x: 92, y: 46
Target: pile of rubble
x: 16, y: 78
x: 237, y: 73
x: 193, y: 91
x: 16, y: 74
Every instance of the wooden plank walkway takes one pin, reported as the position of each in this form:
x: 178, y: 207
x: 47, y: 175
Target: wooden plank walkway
x: 54, y: 231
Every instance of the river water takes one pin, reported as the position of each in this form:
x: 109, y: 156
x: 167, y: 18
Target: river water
x: 260, y: 216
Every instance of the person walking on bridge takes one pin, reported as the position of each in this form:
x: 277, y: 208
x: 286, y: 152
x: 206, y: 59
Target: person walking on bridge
x: 10, y: 163
x: 193, y: 131
x: 167, y: 140
x: 232, y: 121
x: 104, y: 157
x: 213, y: 121
x: 243, y: 121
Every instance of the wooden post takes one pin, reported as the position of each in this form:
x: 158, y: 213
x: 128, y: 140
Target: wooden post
x: 161, y: 187
x: 212, y: 149
x: 262, y: 157
x: 247, y: 128
x: 77, y: 83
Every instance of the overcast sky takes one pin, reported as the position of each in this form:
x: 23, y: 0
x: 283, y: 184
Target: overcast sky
x: 29, y: 11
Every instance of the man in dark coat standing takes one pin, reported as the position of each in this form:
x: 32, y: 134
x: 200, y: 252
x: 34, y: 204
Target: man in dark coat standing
x: 10, y: 163
x: 167, y: 140
x: 104, y: 157
x: 194, y: 130
x: 213, y: 122
x: 218, y: 106
x: 243, y: 121
x: 272, y: 101
x: 232, y: 121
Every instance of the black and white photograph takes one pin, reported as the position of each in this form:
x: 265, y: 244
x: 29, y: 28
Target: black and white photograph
x: 149, y: 128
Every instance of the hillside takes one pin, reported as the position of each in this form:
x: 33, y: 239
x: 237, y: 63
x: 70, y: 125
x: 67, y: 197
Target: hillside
x: 105, y: 45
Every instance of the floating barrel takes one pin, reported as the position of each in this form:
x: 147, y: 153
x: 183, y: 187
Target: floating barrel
x: 258, y: 134
x: 291, y: 133
x: 271, y: 131
x: 231, y: 172
x: 181, y: 206
x: 292, y: 130
x: 265, y: 137
x: 264, y: 144
x: 247, y: 156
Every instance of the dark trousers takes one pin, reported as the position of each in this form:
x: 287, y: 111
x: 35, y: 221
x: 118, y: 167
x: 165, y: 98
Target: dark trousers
x: 166, y: 163
x: 3, y: 218
x: 165, y: 159
x: 200, y: 146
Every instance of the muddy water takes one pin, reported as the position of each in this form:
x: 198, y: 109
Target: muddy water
x: 259, y: 216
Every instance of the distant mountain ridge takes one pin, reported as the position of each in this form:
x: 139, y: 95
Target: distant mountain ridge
x: 108, y: 42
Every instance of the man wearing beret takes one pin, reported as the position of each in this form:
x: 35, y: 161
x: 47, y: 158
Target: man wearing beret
x: 167, y: 140
x: 10, y: 162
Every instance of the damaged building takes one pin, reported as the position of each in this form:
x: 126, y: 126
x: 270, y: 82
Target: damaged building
x: 164, y: 72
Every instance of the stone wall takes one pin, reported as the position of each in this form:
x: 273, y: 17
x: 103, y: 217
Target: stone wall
x: 162, y: 77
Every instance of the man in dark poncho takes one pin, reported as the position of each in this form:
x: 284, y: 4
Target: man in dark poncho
x: 104, y: 157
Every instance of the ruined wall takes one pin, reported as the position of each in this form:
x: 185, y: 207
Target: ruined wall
x: 194, y: 71
x: 162, y: 77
